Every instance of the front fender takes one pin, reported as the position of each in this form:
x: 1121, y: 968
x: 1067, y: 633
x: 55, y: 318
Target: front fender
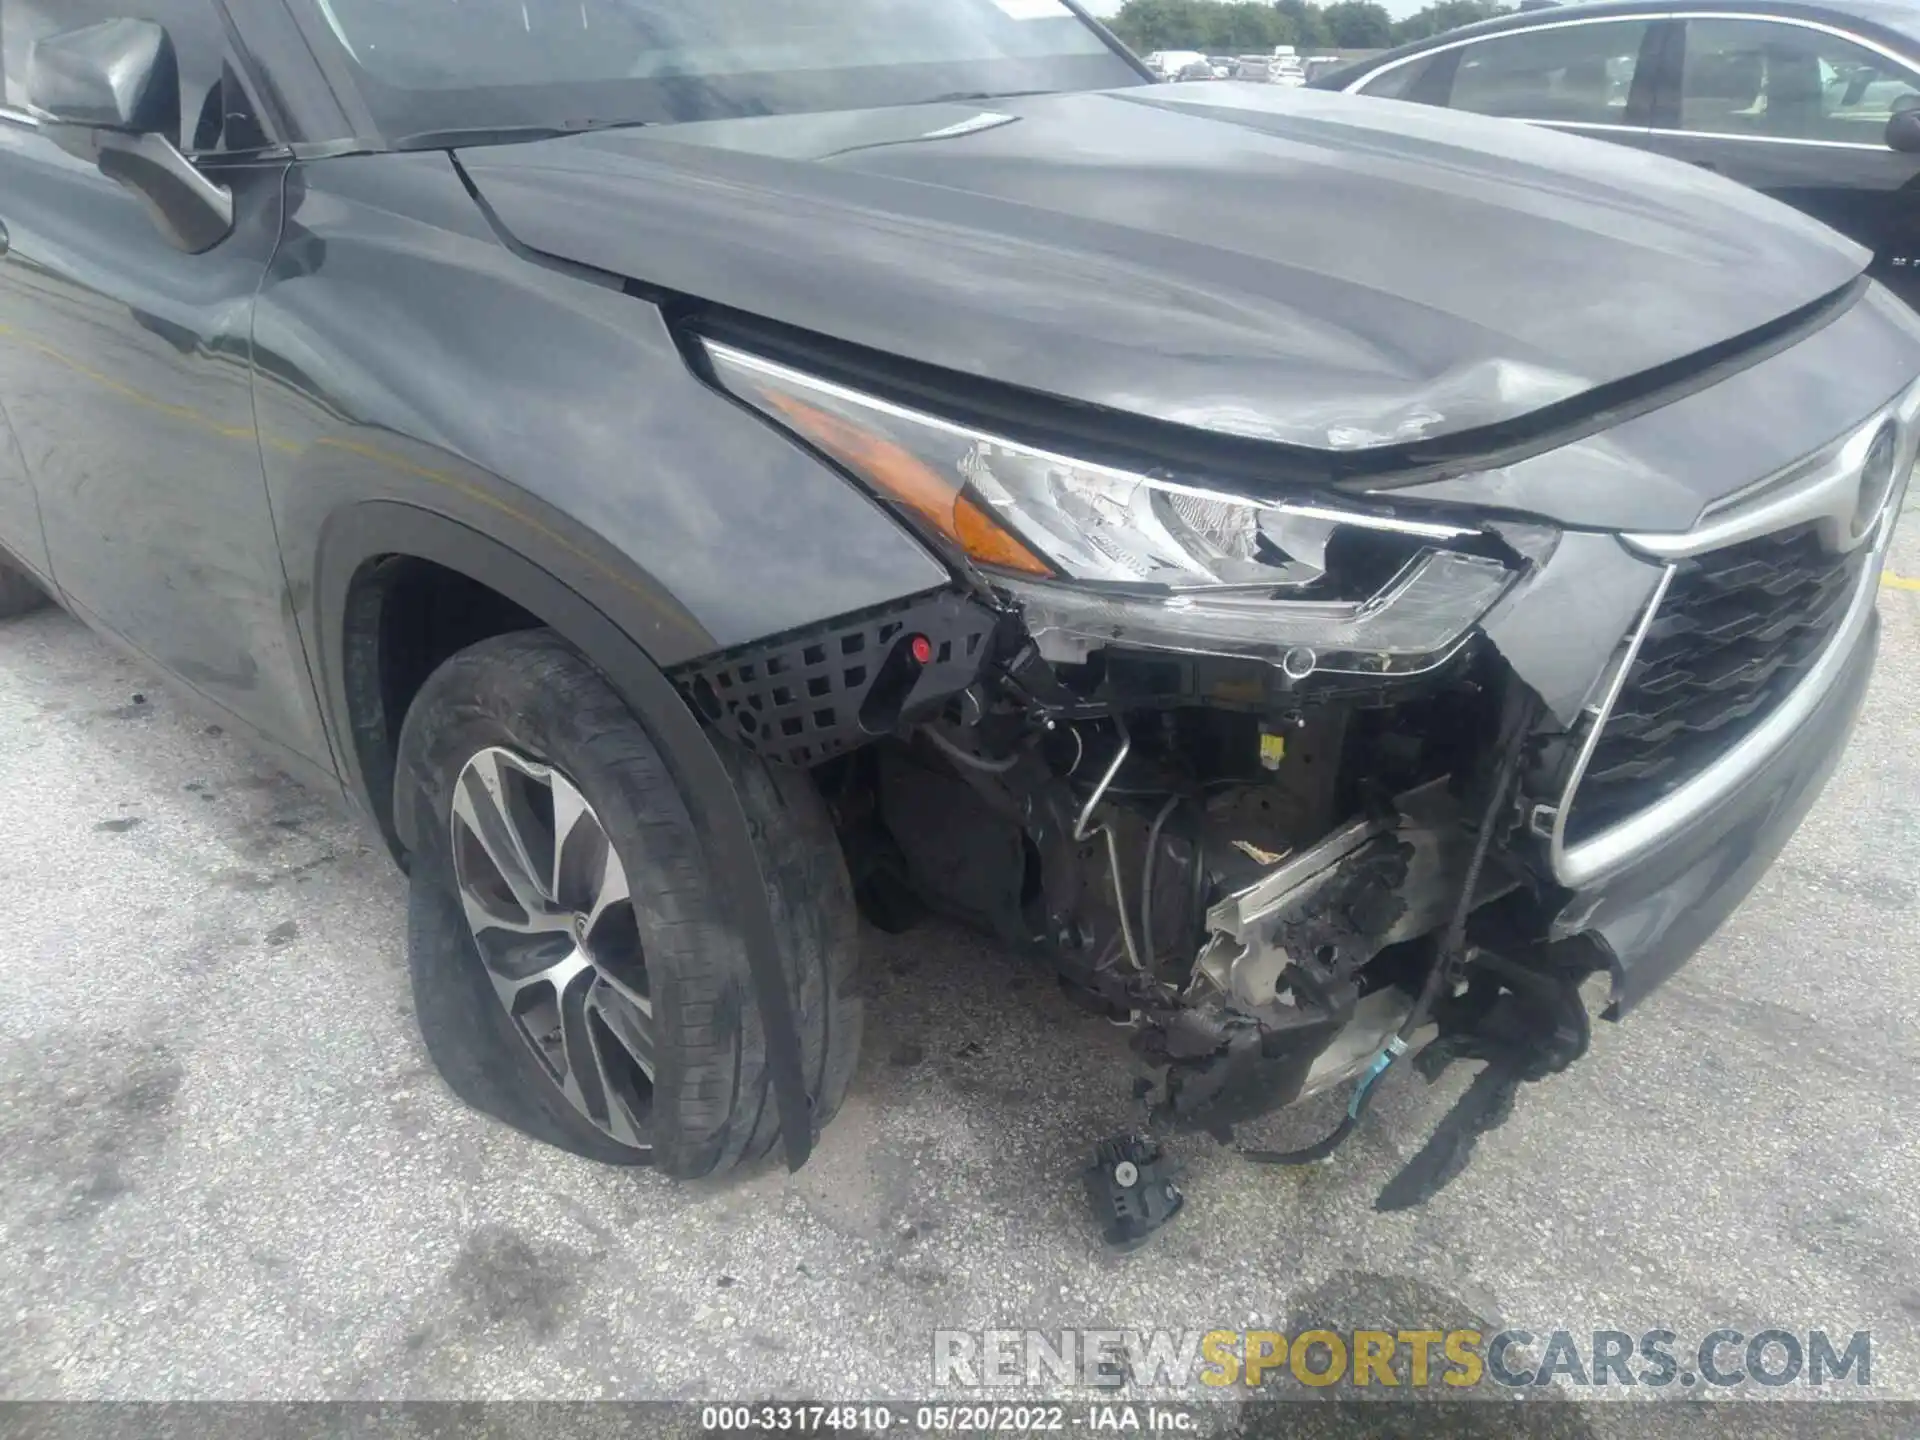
x: 405, y: 353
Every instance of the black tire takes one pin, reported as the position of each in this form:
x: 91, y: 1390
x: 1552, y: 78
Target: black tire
x: 712, y: 1105
x: 19, y: 591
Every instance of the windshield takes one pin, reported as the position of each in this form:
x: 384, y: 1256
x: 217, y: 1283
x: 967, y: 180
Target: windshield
x: 438, y: 65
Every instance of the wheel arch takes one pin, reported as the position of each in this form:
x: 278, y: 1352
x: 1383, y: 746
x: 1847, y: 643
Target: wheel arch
x: 356, y: 542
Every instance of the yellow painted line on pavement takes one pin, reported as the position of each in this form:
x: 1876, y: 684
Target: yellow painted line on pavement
x: 1899, y: 582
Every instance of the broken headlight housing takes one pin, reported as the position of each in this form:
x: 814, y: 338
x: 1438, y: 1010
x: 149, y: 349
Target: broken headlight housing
x: 1096, y: 555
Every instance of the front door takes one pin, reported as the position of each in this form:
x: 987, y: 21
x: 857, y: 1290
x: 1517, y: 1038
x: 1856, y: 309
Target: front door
x: 125, y: 370
x: 1800, y: 113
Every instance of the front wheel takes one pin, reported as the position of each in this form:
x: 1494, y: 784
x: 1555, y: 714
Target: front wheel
x: 575, y: 971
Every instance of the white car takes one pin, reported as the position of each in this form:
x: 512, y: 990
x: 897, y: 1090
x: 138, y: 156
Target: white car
x: 1286, y: 67
x: 1168, y: 64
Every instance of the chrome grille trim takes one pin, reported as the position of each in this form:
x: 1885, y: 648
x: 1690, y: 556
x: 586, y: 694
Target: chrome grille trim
x: 1821, y: 488
x: 1807, y: 492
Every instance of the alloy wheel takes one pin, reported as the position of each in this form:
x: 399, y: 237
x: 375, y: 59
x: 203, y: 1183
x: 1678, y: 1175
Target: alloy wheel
x: 551, y: 912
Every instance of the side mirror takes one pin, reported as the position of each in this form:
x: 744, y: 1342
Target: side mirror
x: 110, y: 94
x: 1903, y: 126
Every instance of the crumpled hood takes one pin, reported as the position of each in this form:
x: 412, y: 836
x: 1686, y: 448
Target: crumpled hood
x: 1294, y: 266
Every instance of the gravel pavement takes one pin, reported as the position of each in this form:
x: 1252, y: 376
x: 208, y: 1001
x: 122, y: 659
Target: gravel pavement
x: 228, y: 1171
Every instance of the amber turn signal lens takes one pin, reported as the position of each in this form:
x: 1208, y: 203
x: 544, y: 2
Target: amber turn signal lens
x: 898, y: 473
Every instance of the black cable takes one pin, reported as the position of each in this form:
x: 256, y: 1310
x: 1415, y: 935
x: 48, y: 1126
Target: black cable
x: 1146, y: 878
x: 1453, y: 947
x: 1319, y: 1150
x: 967, y: 757
x: 1519, y: 717
x: 1195, y: 898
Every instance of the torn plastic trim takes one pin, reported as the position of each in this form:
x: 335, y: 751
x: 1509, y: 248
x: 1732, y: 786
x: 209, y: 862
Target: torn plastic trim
x: 1649, y: 920
x: 1551, y: 821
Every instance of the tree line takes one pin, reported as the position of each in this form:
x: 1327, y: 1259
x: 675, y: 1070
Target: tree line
x: 1234, y: 27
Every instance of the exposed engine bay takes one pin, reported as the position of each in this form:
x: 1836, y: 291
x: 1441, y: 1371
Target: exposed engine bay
x: 1256, y: 877
x: 1268, y: 875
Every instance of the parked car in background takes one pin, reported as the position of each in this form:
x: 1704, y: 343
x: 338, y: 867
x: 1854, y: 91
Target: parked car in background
x: 1342, y: 604
x: 1814, y: 104
x: 1177, y: 64
x: 1253, y: 67
x: 1222, y: 66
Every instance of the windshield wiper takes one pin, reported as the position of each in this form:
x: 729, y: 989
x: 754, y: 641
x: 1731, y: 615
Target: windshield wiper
x: 508, y: 134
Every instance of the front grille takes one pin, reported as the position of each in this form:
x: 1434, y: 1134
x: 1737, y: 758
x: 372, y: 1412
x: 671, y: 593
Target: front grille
x: 1734, y: 633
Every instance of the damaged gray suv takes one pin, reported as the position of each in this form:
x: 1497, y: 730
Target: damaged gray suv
x: 1327, y: 578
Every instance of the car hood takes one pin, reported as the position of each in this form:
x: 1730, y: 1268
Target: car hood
x: 1317, y: 270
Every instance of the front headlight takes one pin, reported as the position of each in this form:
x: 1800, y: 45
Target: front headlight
x: 1097, y: 555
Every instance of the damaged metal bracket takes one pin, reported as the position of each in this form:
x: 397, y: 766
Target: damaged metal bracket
x: 1238, y: 914
x: 1244, y: 961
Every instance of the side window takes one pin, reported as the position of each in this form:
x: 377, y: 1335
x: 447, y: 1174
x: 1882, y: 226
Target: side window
x: 1580, y: 73
x: 1756, y: 77
x: 214, y: 113
x: 1400, y: 83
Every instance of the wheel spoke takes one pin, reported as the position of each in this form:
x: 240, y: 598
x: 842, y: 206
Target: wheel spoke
x: 630, y: 1020
x: 620, y: 1120
x: 613, y: 940
x: 548, y: 1007
x: 558, y: 976
x: 619, y: 1045
x: 612, y: 890
x: 483, y: 916
x: 476, y: 813
x: 577, y: 844
x: 507, y: 844
x: 585, y: 1082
